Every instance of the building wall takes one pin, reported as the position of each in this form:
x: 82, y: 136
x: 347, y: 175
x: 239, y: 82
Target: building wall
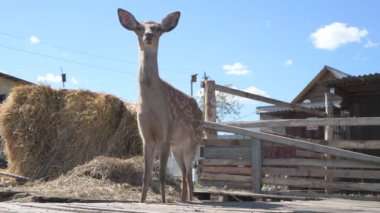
x: 6, y: 85
x: 317, y: 93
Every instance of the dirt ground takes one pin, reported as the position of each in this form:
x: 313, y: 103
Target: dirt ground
x: 114, y: 185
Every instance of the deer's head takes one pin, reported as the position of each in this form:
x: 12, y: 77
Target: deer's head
x: 148, y: 32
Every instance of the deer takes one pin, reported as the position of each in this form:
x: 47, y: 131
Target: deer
x: 168, y: 119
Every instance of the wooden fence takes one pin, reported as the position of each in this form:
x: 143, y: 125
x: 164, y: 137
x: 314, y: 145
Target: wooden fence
x: 263, y: 158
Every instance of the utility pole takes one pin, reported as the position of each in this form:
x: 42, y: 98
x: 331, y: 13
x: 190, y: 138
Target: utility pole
x: 205, y: 77
x: 193, y: 80
x: 63, y: 77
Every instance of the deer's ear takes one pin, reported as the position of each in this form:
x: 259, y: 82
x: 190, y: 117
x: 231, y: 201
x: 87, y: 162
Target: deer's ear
x: 127, y: 20
x: 170, y: 21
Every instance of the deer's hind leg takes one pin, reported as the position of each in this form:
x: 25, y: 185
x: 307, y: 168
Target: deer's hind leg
x: 184, y: 155
x: 178, y: 155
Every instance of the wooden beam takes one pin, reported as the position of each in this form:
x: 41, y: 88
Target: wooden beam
x: 293, y: 142
x: 328, y: 135
x: 319, y: 163
x: 231, y: 170
x: 225, y: 177
x: 356, y: 144
x: 350, y: 144
x: 256, y: 165
x: 320, y: 183
x: 268, y: 100
x: 353, y: 121
x: 210, y: 106
x: 226, y: 184
x: 319, y: 172
x: 225, y: 162
x: 226, y: 142
x: 232, y: 152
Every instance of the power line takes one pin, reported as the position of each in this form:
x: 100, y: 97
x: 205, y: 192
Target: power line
x: 70, y: 49
x: 76, y: 51
x: 244, y: 116
x: 66, y: 60
x: 84, y: 52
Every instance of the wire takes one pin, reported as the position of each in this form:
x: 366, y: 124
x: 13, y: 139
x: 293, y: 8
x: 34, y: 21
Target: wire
x: 66, y: 60
x: 71, y: 50
x: 80, y: 52
x: 244, y: 116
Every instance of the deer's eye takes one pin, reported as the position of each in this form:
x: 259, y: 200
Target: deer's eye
x: 140, y: 27
x: 155, y: 28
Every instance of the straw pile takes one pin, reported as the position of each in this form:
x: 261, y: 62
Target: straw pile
x: 48, y: 132
x: 103, y: 178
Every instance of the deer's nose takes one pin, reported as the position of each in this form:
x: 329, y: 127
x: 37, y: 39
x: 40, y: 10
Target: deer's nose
x: 148, y: 36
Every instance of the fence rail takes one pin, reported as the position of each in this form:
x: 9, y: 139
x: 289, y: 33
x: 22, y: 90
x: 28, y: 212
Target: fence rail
x: 265, y: 158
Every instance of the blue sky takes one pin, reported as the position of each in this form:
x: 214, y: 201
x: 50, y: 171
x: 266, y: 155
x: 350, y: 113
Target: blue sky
x: 272, y: 48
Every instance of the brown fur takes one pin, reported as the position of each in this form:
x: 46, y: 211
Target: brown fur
x: 167, y: 118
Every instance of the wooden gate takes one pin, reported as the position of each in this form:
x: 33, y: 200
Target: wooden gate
x: 256, y: 159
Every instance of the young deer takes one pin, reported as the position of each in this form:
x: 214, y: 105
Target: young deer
x: 167, y: 118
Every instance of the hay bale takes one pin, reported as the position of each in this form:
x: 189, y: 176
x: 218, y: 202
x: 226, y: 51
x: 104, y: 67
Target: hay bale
x: 48, y: 132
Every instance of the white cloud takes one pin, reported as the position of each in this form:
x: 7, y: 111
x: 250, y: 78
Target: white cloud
x: 257, y: 91
x: 253, y: 90
x: 34, y: 40
x: 236, y: 69
x: 335, y: 35
x: 49, y: 78
x: 74, y: 81
x: 371, y: 44
x: 289, y: 62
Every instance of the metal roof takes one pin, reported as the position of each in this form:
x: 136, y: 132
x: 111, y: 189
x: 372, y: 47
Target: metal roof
x: 315, y: 105
x: 360, y: 79
x: 362, y: 85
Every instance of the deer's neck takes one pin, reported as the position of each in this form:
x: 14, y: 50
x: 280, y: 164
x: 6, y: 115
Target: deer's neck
x: 148, y: 68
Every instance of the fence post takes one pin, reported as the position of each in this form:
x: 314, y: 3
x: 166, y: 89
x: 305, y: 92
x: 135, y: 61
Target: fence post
x: 210, y: 107
x: 328, y: 137
x: 256, y: 165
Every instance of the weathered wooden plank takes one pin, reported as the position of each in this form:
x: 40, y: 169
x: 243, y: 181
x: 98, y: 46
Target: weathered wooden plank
x: 225, y: 177
x: 232, y: 170
x: 328, y: 133
x: 210, y: 107
x: 319, y: 163
x: 356, y: 144
x: 226, y: 184
x: 256, y: 165
x: 352, y: 121
x: 225, y: 162
x: 308, y: 154
x: 226, y: 152
x: 268, y: 100
x: 320, y: 172
x: 293, y: 142
x: 226, y: 142
x: 321, y: 183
